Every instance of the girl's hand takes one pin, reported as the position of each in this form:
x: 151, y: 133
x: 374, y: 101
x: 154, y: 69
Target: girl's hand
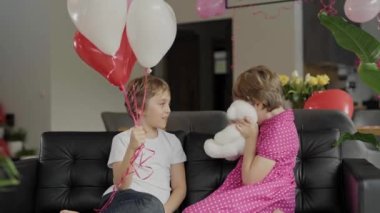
x: 248, y: 129
x: 138, y: 137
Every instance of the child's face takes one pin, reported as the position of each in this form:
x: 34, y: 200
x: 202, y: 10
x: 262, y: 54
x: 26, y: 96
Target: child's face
x: 261, y: 112
x: 157, y: 110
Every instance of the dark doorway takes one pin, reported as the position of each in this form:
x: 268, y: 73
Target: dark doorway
x: 198, y: 66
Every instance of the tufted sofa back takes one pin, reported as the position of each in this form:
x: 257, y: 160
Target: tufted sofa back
x: 188, y: 121
x: 72, y: 171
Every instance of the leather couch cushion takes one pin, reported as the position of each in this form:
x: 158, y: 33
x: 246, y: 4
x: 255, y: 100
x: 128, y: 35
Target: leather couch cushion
x: 318, y: 172
x: 73, y: 170
x: 203, y: 174
x: 19, y: 196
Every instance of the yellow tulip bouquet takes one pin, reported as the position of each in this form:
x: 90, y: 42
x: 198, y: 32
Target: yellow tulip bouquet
x: 297, y: 90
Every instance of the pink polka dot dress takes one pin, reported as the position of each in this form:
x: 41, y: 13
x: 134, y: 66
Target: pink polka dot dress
x: 278, y: 141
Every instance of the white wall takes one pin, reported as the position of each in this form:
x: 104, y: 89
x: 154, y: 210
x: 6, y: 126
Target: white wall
x: 24, y: 65
x: 274, y: 43
x: 372, y: 28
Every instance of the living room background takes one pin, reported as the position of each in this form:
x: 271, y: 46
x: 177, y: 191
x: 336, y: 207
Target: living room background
x: 47, y: 87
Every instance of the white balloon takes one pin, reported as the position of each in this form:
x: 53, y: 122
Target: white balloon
x: 361, y: 11
x: 100, y: 21
x: 151, y: 30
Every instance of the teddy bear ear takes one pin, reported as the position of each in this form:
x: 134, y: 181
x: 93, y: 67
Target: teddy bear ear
x: 212, y: 149
x: 234, y: 111
x: 231, y: 113
x: 240, y: 109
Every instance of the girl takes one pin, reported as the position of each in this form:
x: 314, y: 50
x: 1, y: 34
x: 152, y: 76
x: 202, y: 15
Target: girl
x: 157, y: 183
x: 263, y: 180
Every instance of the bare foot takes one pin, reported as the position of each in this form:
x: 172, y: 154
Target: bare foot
x: 68, y: 211
x: 278, y: 211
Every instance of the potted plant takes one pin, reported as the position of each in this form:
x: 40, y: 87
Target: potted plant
x: 358, y: 41
x: 25, y: 153
x: 16, y: 140
x: 297, y: 90
x: 9, y: 175
x: 367, y: 48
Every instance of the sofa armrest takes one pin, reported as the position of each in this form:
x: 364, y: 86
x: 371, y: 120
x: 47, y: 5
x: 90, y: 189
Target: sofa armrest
x: 361, y: 185
x: 21, y: 198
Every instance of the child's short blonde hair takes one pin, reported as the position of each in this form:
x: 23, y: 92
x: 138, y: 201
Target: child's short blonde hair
x: 259, y: 84
x: 136, y: 88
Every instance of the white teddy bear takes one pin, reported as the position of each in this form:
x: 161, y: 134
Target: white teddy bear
x: 229, y: 143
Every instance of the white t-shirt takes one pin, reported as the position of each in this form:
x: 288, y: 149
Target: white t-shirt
x: 168, y: 151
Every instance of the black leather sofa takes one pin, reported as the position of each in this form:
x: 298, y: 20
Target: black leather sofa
x: 71, y: 170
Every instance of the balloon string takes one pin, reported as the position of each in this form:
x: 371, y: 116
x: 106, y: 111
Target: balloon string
x: 131, y: 99
x: 126, y: 98
x: 112, y: 70
x: 146, y: 73
x: 137, y: 110
x: 131, y: 96
x: 129, y: 2
x: 131, y: 169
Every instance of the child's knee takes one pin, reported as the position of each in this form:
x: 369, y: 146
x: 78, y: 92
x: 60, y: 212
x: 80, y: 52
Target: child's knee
x: 151, y: 204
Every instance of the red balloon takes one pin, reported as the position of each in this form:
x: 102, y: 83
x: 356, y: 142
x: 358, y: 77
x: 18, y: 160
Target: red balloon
x: 116, y: 69
x: 334, y: 99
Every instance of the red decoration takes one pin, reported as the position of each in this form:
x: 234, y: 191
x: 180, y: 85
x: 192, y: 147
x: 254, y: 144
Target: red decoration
x: 333, y: 99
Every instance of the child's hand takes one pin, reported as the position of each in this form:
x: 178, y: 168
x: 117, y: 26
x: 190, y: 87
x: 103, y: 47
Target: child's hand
x: 138, y: 137
x: 247, y: 128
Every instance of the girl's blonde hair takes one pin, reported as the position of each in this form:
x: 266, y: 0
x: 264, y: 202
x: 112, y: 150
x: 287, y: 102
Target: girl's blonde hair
x: 136, y: 88
x: 259, y: 84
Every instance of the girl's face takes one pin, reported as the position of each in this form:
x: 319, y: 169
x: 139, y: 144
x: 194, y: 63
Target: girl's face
x: 157, y: 111
x: 261, y: 112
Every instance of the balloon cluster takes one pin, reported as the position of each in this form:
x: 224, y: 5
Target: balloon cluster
x: 361, y: 11
x: 113, y: 34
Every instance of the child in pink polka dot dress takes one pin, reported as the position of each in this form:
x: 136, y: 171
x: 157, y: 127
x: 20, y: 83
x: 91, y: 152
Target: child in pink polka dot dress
x: 263, y: 180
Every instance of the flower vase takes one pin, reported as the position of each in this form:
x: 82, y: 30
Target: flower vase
x: 15, y: 147
x: 298, y: 104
